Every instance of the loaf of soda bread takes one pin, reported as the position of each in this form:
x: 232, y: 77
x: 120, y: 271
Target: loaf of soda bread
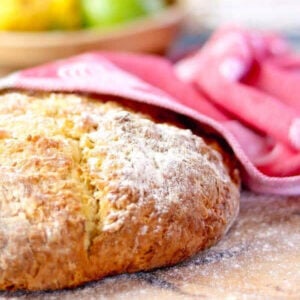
x: 91, y: 188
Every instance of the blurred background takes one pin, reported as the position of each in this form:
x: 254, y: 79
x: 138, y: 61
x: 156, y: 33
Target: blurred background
x: 282, y: 15
x: 37, y: 31
x: 202, y: 17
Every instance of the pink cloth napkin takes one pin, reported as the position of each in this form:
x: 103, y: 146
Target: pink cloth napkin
x: 242, y: 84
x: 253, y: 78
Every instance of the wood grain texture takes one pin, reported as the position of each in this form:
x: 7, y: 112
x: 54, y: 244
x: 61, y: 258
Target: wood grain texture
x: 258, y: 259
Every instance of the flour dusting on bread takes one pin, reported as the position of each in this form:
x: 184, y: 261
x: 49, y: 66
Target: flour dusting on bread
x: 92, y: 188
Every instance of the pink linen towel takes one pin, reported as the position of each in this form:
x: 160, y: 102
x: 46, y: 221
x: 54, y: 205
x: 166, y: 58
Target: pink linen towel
x: 242, y: 84
x: 253, y: 79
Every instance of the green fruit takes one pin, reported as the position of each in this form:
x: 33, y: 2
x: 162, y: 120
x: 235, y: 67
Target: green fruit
x: 105, y: 13
x: 152, y: 6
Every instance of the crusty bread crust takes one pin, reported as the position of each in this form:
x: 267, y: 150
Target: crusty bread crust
x: 90, y: 188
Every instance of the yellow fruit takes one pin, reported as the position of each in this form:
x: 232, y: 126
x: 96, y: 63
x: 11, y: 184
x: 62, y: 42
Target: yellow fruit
x: 34, y: 15
x: 24, y: 14
x: 66, y: 14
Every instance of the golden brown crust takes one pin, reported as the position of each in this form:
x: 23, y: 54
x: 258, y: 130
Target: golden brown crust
x: 89, y: 189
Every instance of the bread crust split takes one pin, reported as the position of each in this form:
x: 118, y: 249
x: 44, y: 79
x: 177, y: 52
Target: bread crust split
x: 91, y: 188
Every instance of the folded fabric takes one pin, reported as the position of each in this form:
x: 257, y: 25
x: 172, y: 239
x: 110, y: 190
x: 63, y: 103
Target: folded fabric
x: 254, y: 78
x: 229, y: 86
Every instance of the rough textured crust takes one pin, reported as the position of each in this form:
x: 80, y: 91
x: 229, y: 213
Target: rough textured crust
x: 89, y: 188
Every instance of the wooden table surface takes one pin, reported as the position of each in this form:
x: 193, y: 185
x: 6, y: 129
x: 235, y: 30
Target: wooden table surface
x: 259, y: 258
